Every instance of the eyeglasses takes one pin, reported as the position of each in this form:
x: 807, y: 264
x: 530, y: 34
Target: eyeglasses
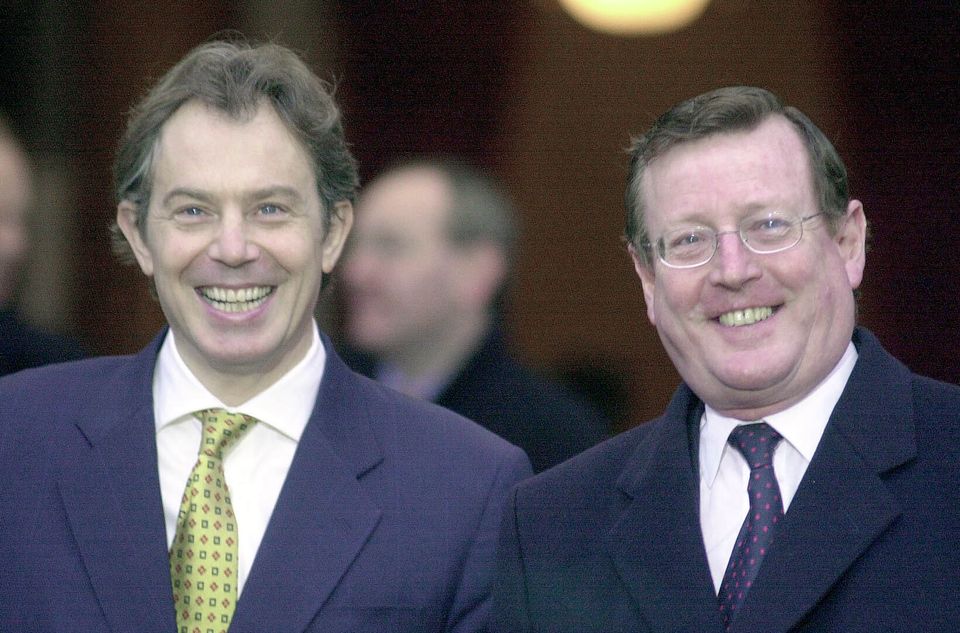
x: 763, y: 233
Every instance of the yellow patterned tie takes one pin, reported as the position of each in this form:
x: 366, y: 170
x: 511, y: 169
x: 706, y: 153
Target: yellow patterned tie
x: 203, y: 559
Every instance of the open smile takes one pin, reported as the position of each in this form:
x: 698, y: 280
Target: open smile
x: 746, y: 316
x: 235, y: 299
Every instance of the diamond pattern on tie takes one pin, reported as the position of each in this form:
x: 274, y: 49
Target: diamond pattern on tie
x: 756, y: 442
x: 203, y: 558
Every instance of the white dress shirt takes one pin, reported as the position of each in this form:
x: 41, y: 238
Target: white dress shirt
x: 256, y: 467
x: 724, y: 473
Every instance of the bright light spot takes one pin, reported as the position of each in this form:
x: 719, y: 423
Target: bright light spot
x: 631, y: 17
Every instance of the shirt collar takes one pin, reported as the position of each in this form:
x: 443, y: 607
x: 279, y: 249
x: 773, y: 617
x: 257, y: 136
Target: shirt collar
x: 801, y: 425
x: 286, y: 405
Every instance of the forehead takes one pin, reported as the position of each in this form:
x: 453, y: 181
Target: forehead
x: 203, y: 148
x: 415, y: 200
x: 730, y: 174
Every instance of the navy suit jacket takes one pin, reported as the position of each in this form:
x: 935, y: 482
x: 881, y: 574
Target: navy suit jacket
x: 549, y: 423
x: 387, y: 520
x: 610, y: 541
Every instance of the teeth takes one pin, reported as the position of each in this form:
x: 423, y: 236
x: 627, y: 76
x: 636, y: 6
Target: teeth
x: 232, y: 300
x: 749, y: 316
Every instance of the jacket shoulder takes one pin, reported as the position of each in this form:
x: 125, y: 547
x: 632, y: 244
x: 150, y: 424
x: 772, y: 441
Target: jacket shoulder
x: 65, y: 384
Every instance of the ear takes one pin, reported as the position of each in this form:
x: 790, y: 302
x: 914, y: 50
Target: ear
x: 341, y: 221
x: 481, y: 268
x: 647, y: 280
x: 127, y: 221
x: 852, y: 241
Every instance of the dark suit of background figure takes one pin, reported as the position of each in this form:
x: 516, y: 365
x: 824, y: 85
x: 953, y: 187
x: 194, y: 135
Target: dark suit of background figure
x: 23, y: 346
x: 387, y: 520
x: 549, y: 423
x: 860, y: 549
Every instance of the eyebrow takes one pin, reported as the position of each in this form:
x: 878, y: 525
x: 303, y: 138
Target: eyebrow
x: 276, y: 191
x: 185, y: 192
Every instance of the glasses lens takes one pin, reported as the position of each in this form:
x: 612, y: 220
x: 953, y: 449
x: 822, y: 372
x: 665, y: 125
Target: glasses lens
x: 687, y: 246
x: 771, y: 232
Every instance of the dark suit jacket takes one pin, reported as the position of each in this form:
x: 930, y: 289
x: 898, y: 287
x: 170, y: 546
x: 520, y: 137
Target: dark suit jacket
x: 387, y: 520
x: 23, y: 346
x: 494, y: 390
x: 610, y: 541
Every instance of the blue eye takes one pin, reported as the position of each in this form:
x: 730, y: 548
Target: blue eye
x: 689, y: 239
x: 273, y: 210
x: 191, y: 213
x: 773, y: 224
x: 686, y: 238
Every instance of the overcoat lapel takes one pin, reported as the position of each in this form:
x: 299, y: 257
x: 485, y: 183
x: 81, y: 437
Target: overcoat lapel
x: 656, y: 544
x: 110, y: 488
x: 323, y: 517
x: 842, y: 504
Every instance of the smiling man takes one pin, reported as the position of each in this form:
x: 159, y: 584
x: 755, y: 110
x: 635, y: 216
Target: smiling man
x: 235, y: 474
x: 801, y: 479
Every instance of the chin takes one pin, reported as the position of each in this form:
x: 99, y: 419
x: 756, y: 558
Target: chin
x: 759, y: 378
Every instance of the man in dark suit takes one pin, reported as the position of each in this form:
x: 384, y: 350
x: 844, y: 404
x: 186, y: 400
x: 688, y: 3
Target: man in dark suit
x: 801, y: 479
x: 319, y: 500
x: 424, y: 281
x: 21, y: 344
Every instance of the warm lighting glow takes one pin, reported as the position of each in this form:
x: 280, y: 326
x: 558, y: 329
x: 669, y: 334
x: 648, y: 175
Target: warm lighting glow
x: 628, y: 17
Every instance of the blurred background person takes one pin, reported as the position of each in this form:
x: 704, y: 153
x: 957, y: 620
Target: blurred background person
x: 21, y: 345
x: 424, y: 280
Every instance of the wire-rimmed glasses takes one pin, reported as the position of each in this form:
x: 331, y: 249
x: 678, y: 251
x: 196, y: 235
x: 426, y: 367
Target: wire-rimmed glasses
x: 762, y: 233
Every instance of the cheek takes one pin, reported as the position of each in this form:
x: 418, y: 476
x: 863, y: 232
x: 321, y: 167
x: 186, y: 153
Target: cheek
x: 677, y: 296
x: 295, y: 256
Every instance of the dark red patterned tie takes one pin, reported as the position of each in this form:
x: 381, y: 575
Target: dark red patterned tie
x: 756, y: 442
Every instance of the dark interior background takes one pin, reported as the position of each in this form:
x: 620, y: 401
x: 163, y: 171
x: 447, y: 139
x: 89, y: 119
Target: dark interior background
x: 545, y: 104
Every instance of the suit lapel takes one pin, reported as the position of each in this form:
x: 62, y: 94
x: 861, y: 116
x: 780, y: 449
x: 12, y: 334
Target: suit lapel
x: 111, y: 493
x: 323, y: 517
x: 656, y: 544
x: 842, y: 504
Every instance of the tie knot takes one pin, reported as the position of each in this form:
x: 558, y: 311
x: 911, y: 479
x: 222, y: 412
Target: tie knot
x: 755, y: 442
x: 221, y: 429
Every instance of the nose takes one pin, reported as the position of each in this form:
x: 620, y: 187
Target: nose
x: 733, y: 265
x: 232, y: 245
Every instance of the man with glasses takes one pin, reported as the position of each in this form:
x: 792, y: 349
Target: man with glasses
x: 801, y: 478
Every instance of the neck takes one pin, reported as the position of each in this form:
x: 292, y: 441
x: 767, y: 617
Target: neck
x: 445, y: 352
x: 235, y: 389
x: 235, y: 383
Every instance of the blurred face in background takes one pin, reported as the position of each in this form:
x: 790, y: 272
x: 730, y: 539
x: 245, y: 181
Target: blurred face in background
x: 401, y: 272
x: 15, y: 199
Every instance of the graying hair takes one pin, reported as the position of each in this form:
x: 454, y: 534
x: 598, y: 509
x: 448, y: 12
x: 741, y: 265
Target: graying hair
x: 725, y: 110
x: 236, y: 77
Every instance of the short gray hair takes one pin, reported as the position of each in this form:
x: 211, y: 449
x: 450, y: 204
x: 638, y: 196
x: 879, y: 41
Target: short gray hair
x: 731, y: 109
